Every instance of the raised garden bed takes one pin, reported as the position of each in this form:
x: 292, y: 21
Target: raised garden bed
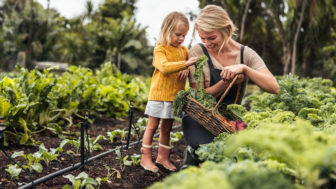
x: 122, y: 176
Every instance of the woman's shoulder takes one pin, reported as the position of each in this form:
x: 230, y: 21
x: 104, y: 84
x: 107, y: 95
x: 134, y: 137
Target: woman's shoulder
x: 249, y: 52
x: 252, y: 58
x: 196, y: 50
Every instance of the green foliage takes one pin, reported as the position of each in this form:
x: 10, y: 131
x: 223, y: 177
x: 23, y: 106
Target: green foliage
x: 140, y: 126
x: 33, y: 100
x: 110, y: 33
x: 32, y: 161
x: 123, y: 161
x: 81, y: 181
x: 250, y: 175
x: 93, y: 142
x: 14, y: 170
x: 245, y: 174
x: 136, y: 158
x: 303, y: 152
x: 307, y: 98
x: 117, y: 132
x: 190, y: 179
x: 198, y: 94
x: 175, y: 136
x: 47, y: 155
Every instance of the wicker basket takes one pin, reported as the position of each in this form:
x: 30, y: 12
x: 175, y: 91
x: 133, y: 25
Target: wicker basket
x: 210, y: 119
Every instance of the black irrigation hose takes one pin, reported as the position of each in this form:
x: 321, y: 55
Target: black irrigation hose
x: 63, y: 154
x: 83, y: 162
x: 77, y: 165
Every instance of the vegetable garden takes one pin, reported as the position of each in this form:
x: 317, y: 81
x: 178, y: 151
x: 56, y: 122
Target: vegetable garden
x: 72, y: 130
x: 43, y: 114
x: 289, y: 142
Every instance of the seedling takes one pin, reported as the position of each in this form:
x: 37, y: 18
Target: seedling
x: 109, y: 174
x: 81, y: 181
x: 14, y: 171
x: 140, y: 126
x: 123, y: 160
x: 94, y: 145
x: 113, y: 134
x: 47, y: 155
x: 175, y: 137
x: 135, y: 159
x: 32, y: 160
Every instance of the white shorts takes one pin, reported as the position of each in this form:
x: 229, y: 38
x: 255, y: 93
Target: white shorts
x: 160, y: 109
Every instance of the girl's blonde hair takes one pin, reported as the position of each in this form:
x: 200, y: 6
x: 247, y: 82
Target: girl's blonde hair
x: 168, y: 25
x: 215, y: 18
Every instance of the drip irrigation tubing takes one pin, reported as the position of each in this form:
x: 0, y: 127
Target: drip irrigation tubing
x: 77, y: 165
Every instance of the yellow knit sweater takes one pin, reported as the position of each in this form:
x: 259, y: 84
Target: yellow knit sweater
x: 167, y: 61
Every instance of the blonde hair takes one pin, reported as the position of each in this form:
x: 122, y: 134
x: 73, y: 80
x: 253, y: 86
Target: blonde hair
x: 215, y: 18
x: 168, y: 25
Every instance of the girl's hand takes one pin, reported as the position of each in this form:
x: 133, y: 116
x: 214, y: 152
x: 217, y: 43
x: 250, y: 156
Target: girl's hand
x: 191, y: 61
x: 182, y: 75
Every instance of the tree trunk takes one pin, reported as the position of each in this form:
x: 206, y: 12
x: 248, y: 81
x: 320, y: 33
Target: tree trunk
x: 242, y: 26
x: 303, y: 7
x: 118, y: 60
x: 306, y: 53
x: 286, y: 57
x: 224, y: 4
x: 29, y: 48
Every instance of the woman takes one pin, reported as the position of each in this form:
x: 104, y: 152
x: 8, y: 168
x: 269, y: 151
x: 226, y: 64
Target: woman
x: 226, y: 59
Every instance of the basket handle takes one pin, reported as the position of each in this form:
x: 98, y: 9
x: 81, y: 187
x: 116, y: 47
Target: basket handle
x: 226, y: 91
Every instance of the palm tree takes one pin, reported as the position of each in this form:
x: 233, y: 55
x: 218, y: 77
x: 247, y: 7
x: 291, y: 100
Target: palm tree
x: 122, y: 35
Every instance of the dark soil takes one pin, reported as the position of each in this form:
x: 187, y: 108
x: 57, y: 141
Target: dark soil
x: 122, y: 177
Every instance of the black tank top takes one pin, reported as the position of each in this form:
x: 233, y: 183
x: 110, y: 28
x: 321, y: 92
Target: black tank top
x: 215, y: 77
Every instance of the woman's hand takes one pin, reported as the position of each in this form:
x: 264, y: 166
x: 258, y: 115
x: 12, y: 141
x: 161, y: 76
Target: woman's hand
x: 229, y: 72
x: 182, y: 75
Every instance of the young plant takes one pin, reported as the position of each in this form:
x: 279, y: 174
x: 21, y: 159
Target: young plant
x: 93, y: 142
x: 109, y: 174
x: 32, y: 160
x: 113, y: 134
x: 94, y: 145
x: 140, y: 126
x: 135, y: 159
x: 174, y: 137
x: 47, y: 155
x: 14, y: 171
x: 81, y: 181
x: 123, y: 160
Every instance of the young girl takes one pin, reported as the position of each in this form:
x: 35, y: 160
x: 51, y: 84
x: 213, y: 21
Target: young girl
x: 169, y: 59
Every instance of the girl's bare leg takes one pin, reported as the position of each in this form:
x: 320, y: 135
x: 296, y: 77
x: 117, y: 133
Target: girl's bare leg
x: 146, y: 149
x: 164, y: 147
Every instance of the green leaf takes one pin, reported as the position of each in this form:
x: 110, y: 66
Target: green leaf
x: 37, y: 167
x: 14, y: 170
x: 4, y: 107
x: 17, y: 154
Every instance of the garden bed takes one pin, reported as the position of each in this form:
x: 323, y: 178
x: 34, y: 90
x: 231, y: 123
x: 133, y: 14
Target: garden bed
x: 122, y: 176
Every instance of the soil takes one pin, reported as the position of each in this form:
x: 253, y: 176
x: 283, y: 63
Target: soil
x: 122, y: 176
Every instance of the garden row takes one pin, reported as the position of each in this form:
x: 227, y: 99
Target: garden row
x: 33, y: 101
x: 289, y: 143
